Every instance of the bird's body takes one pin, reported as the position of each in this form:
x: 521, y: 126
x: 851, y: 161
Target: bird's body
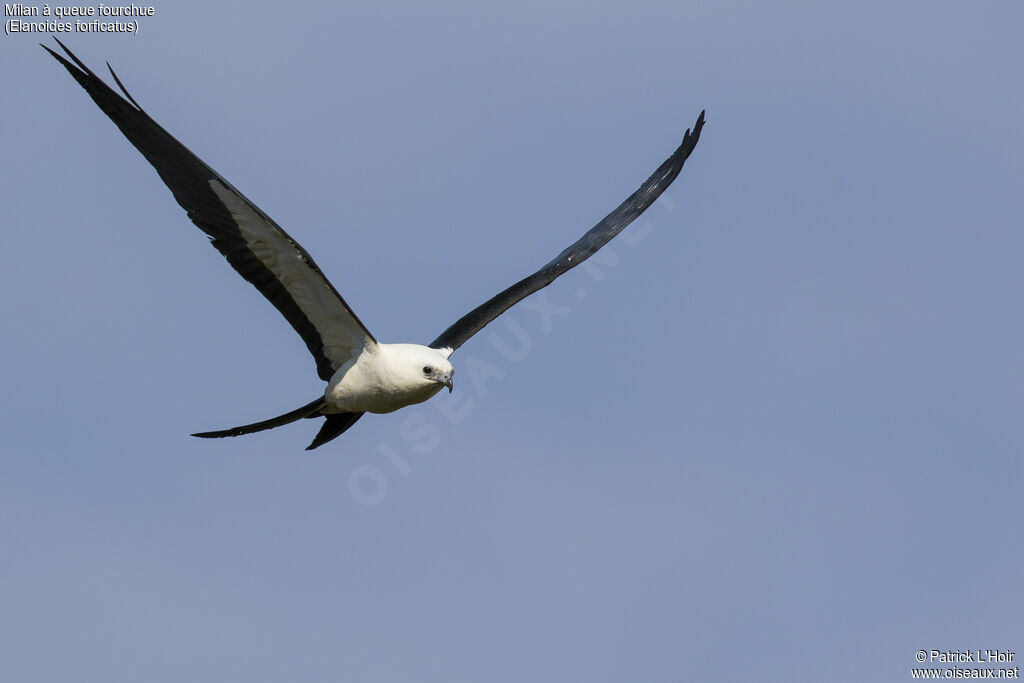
x: 362, y: 374
x: 386, y: 377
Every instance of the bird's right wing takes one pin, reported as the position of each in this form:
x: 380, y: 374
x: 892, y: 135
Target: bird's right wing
x: 253, y: 244
x: 578, y: 252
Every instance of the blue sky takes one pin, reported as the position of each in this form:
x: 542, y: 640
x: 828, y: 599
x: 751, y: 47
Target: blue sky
x: 779, y: 438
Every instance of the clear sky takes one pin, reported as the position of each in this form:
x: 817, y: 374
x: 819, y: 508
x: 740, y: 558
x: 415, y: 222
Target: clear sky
x: 776, y: 435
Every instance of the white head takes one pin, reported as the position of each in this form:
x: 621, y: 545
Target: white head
x: 420, y: 367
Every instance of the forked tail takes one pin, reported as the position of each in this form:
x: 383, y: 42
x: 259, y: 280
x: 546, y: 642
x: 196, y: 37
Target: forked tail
x: 309, y: 410
x: 335, y: 424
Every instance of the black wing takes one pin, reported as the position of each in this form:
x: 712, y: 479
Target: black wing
x: 253, y: 244
x: 595, y: 238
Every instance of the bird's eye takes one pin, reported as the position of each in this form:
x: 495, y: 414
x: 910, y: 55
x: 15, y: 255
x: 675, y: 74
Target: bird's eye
x: 427, y: 370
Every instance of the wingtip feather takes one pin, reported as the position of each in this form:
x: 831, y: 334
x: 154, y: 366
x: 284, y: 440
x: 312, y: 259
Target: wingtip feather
x: 123, y: 89
x: 73, y: 56
x: 213, y: 435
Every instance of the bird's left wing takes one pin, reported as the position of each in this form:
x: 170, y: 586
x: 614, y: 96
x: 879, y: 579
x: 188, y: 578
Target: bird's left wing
x: 253, y: 244
x: 577, y: 252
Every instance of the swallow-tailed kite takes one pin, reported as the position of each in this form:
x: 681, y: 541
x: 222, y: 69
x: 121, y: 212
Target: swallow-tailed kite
x: 362, y: 374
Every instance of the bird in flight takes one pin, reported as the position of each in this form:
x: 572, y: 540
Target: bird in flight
x: 363, y: 375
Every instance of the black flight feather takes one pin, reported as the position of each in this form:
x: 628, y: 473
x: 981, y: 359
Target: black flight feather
x: 188, y: 178
x: 578, y: 252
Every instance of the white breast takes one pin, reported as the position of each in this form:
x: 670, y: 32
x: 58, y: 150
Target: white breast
x: 381, y: 379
